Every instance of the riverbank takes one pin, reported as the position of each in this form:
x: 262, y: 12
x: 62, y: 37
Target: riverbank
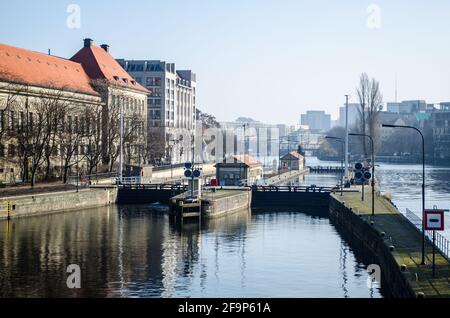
x: 53, y: 202
x: 394, y: 244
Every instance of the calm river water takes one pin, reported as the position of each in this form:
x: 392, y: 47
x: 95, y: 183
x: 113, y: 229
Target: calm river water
x: 134, y: 251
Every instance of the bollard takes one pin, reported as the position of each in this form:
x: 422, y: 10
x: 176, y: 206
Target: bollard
x: 403, y: 267
x: 420, y: 295
x: 383, y: 234
x: 391, y: 248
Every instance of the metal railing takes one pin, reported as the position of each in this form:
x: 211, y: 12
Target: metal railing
x: 442, y: 243
x: 272, y: 188
x: 137, y: 186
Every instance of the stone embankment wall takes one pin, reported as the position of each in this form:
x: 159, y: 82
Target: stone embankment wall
x: 52, y: 202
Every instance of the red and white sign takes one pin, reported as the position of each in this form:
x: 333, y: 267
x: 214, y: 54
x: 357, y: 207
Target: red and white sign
x: 434, y: 220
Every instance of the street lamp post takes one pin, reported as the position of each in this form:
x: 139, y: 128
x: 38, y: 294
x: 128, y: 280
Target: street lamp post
x: 423, y: 183
x: 342, y: 142
x: 346, y: 138
x: 373, y: 168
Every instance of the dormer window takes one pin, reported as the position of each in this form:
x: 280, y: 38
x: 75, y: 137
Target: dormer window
x: 116, y: 78
x: 133, y: 82
x: 125, y: 80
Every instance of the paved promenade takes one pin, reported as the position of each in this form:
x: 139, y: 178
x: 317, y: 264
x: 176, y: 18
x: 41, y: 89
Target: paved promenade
x: 407, y: 242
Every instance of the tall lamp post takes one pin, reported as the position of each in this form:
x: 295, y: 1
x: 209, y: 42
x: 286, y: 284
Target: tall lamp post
x: 346, y: 137
x: 373, y: 168
x: 423, y: 183
x: 342, y: 142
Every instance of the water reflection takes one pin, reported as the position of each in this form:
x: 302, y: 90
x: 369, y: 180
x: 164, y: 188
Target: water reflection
x: 136, y: 252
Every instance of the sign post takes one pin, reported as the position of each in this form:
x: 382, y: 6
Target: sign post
x: 434, y: 221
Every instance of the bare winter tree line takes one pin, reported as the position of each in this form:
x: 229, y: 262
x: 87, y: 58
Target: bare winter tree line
x: 46, y: 128
x: 370, y: 105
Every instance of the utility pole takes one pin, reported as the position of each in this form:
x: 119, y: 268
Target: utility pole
x: 346, y: 138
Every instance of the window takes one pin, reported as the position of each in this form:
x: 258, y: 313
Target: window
x: 2, y: 151
x: 31, y: 120
x: 69, y: 125
x: 156, y: 92
x: 21, y: 120
x: 11, y: 120
x: 11, y: 151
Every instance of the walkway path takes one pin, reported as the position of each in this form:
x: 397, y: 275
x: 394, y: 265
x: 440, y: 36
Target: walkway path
x: 407, y: 241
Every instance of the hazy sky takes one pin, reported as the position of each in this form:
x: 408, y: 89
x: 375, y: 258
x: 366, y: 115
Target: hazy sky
x: 270, y: 60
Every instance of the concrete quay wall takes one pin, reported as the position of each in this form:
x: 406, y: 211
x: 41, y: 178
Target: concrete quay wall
x: 373, y: 248
x: 228, y: 204
x: 53, y: 202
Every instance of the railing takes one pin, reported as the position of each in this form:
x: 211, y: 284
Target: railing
x: 326, y: 169
x: 442, y: 243
x: 137, y: 186
x: 293, y: 189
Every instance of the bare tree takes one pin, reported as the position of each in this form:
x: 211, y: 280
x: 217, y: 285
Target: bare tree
x: 93, y: 140
x: 70, y: 135
x: 155, y: 147
x: 370, y: 104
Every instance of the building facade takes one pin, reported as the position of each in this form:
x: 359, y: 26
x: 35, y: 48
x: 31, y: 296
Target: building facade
x: 440, y: 121
x: 293, y: 161
x: 239, y: 170
x: 316, y: 120
x: 171, y: 110
x: 353, y: 115
x: 120, y: 93
x: 55, y: 113
x: 407, y: 106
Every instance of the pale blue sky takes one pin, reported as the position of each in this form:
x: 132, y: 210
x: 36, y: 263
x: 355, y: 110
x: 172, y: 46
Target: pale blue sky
x: 270, y: 60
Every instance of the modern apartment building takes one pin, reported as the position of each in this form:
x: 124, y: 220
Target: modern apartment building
x: 317, y: 120
x: 407, y: 106
x: 353, y: 115
x: 171, y: 104
x: 440, y: 123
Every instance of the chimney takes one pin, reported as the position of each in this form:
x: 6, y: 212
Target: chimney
x: 105, y: 47
x: 88, y: 42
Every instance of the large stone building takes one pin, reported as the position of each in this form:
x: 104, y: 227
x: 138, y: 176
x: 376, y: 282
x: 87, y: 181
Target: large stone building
x: 54, y: 112
x: 117, y: 89
x: 171, y: 105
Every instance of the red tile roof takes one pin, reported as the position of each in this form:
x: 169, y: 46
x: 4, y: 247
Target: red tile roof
x: 247, y: 159
x: 99, y: 64
x: 42, y: 70
x: 294, y: 154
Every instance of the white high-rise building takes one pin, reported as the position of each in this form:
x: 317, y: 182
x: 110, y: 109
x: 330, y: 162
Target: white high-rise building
x: 353, y: 115
x: 171, y: 104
